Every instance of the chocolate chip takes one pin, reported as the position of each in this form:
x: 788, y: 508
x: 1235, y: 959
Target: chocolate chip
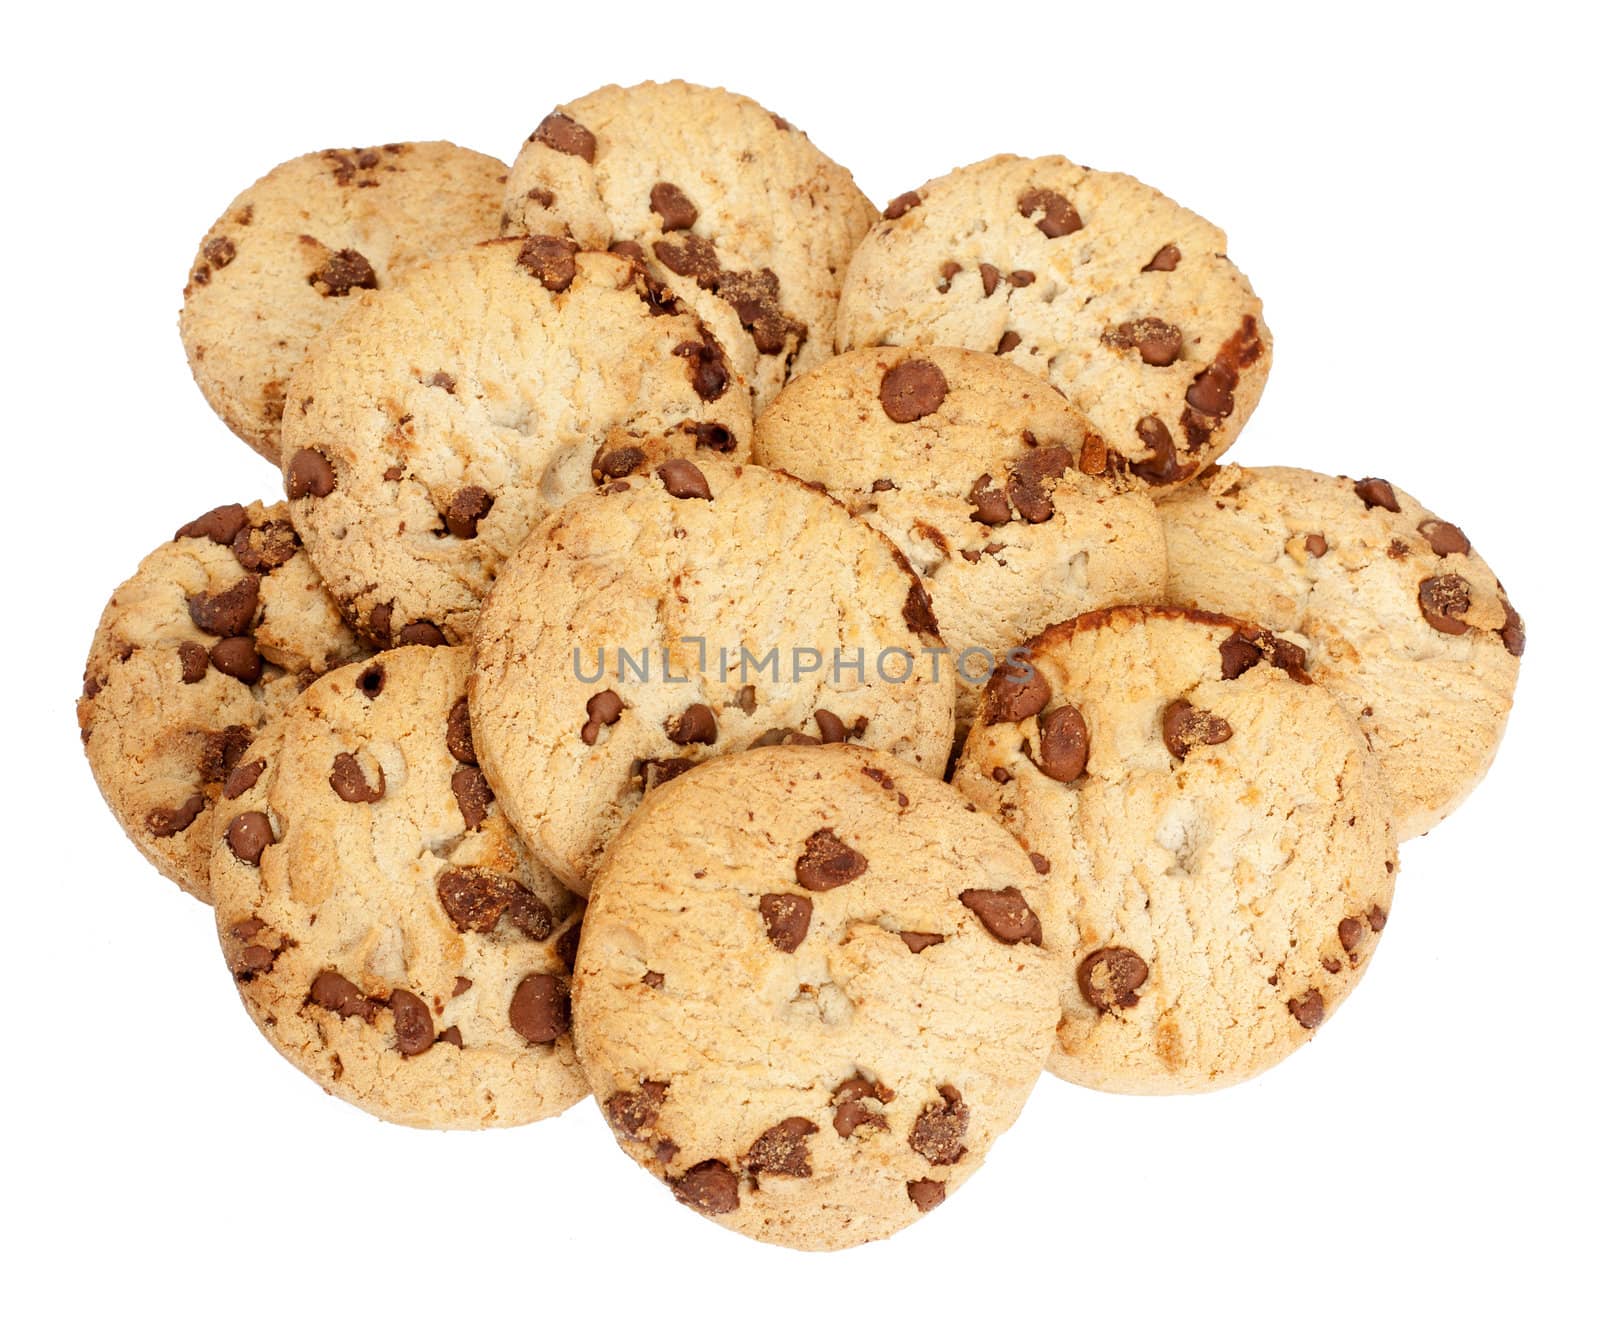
x: 1166, y: 258
x: 1063, y: 744
x: 1442, y: 599
x: 473, y: 898
x: 421, y: 632
x: 1005, y: 914
x: 652, y: 772
x: 1377, y: 493
x: 1157, y: 342
x: 164, y: 822
x: 1351, y: 933
x: 1025, y: 486
x: 683, y: 480
x: 1021, y: 279
x: 219, y: 252
x: 220, y: 524
x: 1377, y: 918
x: 708, y: 372
x: 529, y: 913
x: 242, y: 778
x: 248, y: 835
x: 1016, y: 690
x: 227, y: 613
x: 370, y: 681
x: 632, y: 1112
x: 1212, y: 390
x: 925, y: 1193
x: 267, y: 547
x: 694, y: 257
x: 614, y: 464
x: 458, y: 732
x: 695, y: 725
x: 1162, y: 467
x: 603, y: 708
x: 340, y: 995
x: 350, y: 783
x: 787, y: 918
x: 1183, y: 728
x: 851, y: 1113
x: 831, y: 727
x: 473, y: 795
x: 1238, y: 655
x: 990, y: 506
x: 990, y: 276
x: 451, y: 1036
x: 918, y: 609
x: 746, y: 700
x: 343, y: 271
x: 1057, y: 216
x: 1308, y: 1009
x: 413, y: 1024
x: 948, y: 271
x: 1110, y: 978
x: 912, y: 389
x: 193, y: 660
x: 1445, y: 538
x: 466, y: 509
x: 565, y: 135
x: 713, y: 436
x: 917, y: 940
x: 1513, y: 635
x: 676, y: 211
x: 1316, y: 544
x: 566, y: 945
x: 541, y: 1008
x: 1041, y: 863
x: 782, y: 1149
x: 309, y: 474
x: 443, y: 380
x: 827, y: 863
x: 900, y: 205
x: 710, y: 1187
x: 936, y: 1134
x: 550, y: 260
x: 238, y: 658
x: 1008, y: 341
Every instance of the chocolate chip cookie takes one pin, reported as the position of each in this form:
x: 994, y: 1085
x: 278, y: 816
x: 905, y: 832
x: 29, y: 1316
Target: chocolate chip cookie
x: 681, y: 613
x: 1398, y: 615
x: 281, y: 263
x: 386, y: 930
x: 728, y: 205
x: 214, y: 632
x: 1112, y: 292
x: 970, y: 465
x: 441, y: 420
x: 1219, y: 828
x: 814, y: 987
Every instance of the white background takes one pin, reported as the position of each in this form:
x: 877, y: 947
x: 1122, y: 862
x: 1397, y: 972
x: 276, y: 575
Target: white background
x: 1410, y: 196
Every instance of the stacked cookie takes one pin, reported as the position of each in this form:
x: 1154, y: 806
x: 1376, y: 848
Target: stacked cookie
x: 794, y: 673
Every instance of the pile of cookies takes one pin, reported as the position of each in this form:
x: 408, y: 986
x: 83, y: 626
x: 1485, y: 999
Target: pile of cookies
x: 792, y: 672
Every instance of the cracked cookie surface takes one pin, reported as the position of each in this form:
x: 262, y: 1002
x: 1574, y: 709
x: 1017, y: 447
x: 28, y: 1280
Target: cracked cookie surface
x: 814, y: 987
x: 1399, y: 616
x: 969, y: 465
x: 1218, y: 828
x: 213, y: 633
x: 278, y: 267
x: 680, y: 614
x: 1111, y: 291
x: 732, y: 208
x: 386, y: 930
x: 443, y: 418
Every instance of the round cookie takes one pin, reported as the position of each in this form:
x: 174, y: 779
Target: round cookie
x: 277, y: 268
x: 1399, y: 617
x: 214, y: 632
x: 814, y: 987
x: 1114, y: 293
x: 441, y: 420
x: 682, y: 614
x: 1217, y: 825
x: 386, y: 930
x: 967, y: 463
x: 732, y: 207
